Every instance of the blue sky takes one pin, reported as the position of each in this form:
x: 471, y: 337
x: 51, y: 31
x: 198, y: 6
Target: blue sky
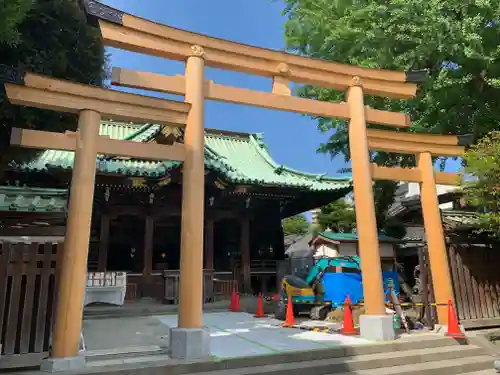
x: 292, y: 139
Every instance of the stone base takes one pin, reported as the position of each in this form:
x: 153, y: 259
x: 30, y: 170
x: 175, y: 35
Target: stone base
x: 63, y: 364
x: 189, y: 343
x: 377, y: 327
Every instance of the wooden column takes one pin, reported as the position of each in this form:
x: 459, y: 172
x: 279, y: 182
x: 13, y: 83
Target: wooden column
x: 102, y: 258
x: 148, y: 255
x: 366, y: 224
x: 69, y: 309
x: 438, y: 257
x: 245, y: 255
x: 193, y: 196
x: 209, y: 244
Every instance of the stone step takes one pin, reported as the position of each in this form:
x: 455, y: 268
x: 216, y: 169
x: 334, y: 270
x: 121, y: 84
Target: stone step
x: 143, y: 359
x: 446, y: 367
x: 124, y: 352
x: 408, y: 350
x: 412, y: 343
x: 353, y: 364
x: 483, y: 372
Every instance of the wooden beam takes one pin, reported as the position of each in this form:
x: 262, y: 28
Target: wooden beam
x: 388, y: 145
x: 432, y: 139
x: 132, y: 33
x: 261, y: 99
x: 412, y: 175
x: 43, y: 92
x: 395, y: 173
x: 68, y: 142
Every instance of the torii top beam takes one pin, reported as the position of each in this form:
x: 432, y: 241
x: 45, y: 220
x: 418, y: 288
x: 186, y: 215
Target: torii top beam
x: 43, y: 92
x: 261, y: 99
x: 136, y: 34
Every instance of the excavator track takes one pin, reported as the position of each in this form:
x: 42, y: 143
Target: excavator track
x: 319, y: 312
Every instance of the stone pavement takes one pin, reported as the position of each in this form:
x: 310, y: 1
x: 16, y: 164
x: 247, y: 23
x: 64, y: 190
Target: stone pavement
x: 241, y: 335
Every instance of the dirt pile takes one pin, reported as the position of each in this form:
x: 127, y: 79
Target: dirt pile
x: 338, y: 315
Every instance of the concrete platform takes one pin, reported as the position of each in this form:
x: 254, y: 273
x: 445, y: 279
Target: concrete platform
x: 236, y: 335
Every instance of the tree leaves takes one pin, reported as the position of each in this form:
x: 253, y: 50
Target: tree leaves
x: 296, y: 224
x: 338, y: 216
x: 55, y: 40
x: 12, y: 13
x: 456, y: 41
x: 483, y: 191
x: 402, y: 35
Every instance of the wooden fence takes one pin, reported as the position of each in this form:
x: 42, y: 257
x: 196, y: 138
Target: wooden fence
x: 28, y: 280
x: 476, y: 283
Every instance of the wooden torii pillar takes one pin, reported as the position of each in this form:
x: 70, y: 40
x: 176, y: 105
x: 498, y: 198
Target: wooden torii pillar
x: 424, y: 147
x: 128, y: 32
x: 91, y: 104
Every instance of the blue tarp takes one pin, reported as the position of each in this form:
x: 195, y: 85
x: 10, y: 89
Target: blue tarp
x: 338, y: 285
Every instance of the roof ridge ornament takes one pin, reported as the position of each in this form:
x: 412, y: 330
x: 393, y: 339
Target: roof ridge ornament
x: 259, y: 138
x: 320, y: 176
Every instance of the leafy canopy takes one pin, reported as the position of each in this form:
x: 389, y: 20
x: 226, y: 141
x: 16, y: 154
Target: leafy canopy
x: 296, y: 224
x: 483, y: 162
x: 339, y: 216
x: 55, y: 40
x: 456, y: 41
x: 12, y: 12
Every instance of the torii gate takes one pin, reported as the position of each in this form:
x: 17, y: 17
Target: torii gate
x: 135, y: 34
x: 424, y: 147
x: 125, y: 31
x: 91, y: 104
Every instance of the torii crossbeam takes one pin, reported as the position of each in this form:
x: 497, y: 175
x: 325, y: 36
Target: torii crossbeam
x: 424, y: 147
x: 138, y: 35
x: 91, y: 104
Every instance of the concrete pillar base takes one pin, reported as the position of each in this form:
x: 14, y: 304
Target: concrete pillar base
x: 63, y: 364
x: 377, y: 327
x: 189, y: 343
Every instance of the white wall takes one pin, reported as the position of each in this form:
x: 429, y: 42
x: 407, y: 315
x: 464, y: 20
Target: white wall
x: 412, y: 189
x: 326, y: 250
x: 349, y: 249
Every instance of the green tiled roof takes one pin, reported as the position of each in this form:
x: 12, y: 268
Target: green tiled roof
x: 240, y: 158
x: 352, y: 236
x: 22, y: 199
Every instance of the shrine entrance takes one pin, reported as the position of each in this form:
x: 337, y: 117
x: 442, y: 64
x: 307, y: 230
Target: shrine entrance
x: 121, y: 30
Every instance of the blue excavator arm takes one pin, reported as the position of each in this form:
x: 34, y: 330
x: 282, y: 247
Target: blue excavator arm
x: 322, y: 265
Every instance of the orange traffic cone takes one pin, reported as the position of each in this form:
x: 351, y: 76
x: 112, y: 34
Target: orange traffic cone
x: 233, y: 299
x: 453, y: 327
x: 290, y: 319
x: 348, y: 328
x: 237, y: 303
x: 260, y: 308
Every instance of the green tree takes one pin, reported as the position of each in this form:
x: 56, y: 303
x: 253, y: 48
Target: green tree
x: 339, y: 216
x: 55, y: 40
x: 456, y: 41
x: 12, y: 12
x: 483, y: 190
x: 296, y: 224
